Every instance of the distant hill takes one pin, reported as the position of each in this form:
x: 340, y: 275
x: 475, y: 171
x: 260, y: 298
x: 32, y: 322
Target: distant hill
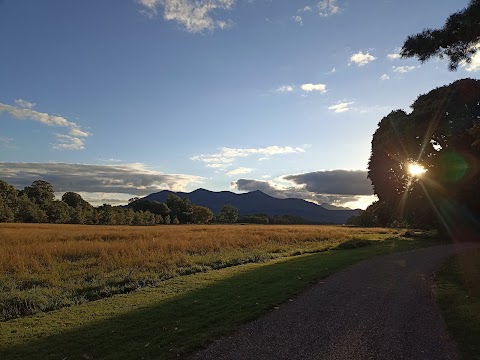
x: 257, y: 202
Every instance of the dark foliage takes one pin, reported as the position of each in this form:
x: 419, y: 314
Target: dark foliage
x: 442, y: 134
x: 457, y: 39
x: 228, y: 214
x: 277, y: 220
x: 37, y: 204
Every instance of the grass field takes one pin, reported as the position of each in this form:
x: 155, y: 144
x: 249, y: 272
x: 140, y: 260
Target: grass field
x: 47, y: 267
x: 183, y: 313
x: 458, y: 291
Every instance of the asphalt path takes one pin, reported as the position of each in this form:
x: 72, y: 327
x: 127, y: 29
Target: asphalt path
x: 383, y: 308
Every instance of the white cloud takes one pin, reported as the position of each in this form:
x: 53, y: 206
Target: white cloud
x: 270, y: 150
x: 384, y: 77
x: 195, y: 16
x: 72, y: 141
x: 67, y: 142
x: 394, y: 56
x: 149, y: 7
x: 298, y: 19
x: 322, y: 88
x: 23, y: 114
x: 359, y: 202
x: 216, y: 165
x: 305, y: 9
x: 362, y: 59
x: 238, y: 171
x: 150, y: 4
x: 328, y: 7
x: 285, y: 88
x: 226, y: 156
x: 135, y: 179
x: 314, y: 87
x: 474, y: 64
x: 403, y: 69
x: 76, y: 132
x: 24, y: 104
x: 340, y: 107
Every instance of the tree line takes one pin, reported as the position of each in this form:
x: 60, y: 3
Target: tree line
x: 37, y: 204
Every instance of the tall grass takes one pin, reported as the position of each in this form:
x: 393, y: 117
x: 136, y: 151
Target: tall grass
x: 46, y: 267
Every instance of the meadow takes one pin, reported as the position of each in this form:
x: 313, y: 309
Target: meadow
x: 192, y: 283
x: 47, y: 267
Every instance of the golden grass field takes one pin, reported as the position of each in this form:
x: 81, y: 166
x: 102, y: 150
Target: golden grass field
x: 45, y: 267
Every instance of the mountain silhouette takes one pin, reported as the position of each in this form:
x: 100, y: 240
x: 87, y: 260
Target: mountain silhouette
x: 257, y: 202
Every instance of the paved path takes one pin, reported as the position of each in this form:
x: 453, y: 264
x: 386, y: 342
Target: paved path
x: 383, y: 308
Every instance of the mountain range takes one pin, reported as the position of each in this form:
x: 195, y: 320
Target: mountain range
x: 257, y: 202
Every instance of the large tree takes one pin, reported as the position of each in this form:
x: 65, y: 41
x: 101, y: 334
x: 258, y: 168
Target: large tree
x: 58, y: 212
x: 75, y: 200
x: 442, y: 133
x: 40, y: 192
x: 8, y: 202
x: 458, y: 40
x: 201, y: 214
x: 181, y: 209
x: 228, y: 214
x: 29, y: 212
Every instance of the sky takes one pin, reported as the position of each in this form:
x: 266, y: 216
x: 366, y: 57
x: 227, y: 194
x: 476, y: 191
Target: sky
x: 115, y: 99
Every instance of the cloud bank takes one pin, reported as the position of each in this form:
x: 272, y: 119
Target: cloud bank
x: 339, y: 182
x: 337, y: 187
x: 135, y: 179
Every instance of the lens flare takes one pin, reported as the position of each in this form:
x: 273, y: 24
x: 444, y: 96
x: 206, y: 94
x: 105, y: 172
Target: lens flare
x: 416, y: 170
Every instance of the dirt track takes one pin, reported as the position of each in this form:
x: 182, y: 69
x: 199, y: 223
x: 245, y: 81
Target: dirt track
x: 383, y: 308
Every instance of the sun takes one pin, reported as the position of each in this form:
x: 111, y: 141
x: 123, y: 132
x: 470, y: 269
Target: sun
x: 416, y: 170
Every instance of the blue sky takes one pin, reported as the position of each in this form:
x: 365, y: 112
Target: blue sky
x: 114, y: 99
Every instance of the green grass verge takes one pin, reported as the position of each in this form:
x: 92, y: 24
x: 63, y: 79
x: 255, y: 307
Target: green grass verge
x: 182, y: 314
x: 458, y: 292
